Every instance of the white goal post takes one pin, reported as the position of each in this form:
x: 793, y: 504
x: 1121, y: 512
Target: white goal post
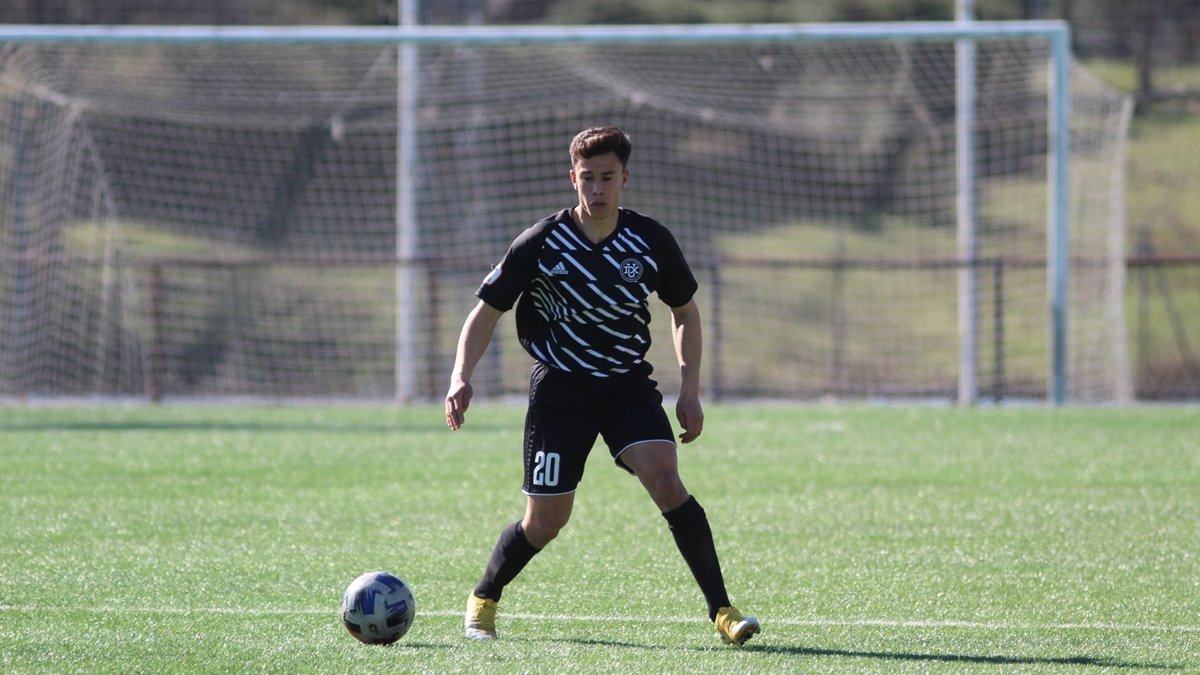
x: 767, y: 105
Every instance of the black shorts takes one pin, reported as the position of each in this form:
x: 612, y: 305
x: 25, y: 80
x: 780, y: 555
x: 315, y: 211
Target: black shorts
x: 567, y: 411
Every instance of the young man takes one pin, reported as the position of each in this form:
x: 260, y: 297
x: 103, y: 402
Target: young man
x: 580, y: 280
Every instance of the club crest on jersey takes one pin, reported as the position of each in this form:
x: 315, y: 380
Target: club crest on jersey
x: 631, y: 269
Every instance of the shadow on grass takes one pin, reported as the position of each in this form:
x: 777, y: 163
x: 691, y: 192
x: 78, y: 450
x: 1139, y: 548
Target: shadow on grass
x: 1099, y: 662
x: 264, y: 427
x: 413, y: 646
x: 606, y: 643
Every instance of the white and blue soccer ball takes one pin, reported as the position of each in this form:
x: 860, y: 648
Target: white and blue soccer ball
x: 378, y: 608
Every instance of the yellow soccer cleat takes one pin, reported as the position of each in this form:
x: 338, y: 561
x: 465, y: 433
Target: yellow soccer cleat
x: 733, y: 628
x: 480, y: 621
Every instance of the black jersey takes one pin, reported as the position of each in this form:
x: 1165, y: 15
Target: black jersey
x: 583, y: 306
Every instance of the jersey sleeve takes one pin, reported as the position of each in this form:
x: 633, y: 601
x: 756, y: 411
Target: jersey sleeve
x: 677, y: 285
x: 507, y: 280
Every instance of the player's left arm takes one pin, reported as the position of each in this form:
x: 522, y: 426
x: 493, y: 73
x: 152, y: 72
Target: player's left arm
x: 685, y: 332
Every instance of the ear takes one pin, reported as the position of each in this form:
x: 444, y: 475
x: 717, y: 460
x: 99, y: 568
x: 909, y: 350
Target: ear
x: 573, y: 179
x: 624, y: 178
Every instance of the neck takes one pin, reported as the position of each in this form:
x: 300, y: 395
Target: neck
x: 595, y: 229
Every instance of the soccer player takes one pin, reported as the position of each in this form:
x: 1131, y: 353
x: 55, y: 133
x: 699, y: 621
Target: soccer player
x: 580, y: 280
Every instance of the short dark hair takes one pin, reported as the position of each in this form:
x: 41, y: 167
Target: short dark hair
x: 601, y: 140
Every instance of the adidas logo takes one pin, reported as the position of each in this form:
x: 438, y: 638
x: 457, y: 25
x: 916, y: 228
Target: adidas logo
x: 559, y: 270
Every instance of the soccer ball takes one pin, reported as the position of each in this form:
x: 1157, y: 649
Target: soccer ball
x: 378, y: 608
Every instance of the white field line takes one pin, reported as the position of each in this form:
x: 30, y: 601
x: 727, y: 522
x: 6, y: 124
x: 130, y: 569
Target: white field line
x: 849, y: 623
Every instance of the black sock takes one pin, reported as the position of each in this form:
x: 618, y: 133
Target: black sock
x: 693, y: 536
x: 513, y: 551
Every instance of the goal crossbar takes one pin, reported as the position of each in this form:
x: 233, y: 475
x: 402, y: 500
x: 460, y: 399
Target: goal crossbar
x: 479, y: 35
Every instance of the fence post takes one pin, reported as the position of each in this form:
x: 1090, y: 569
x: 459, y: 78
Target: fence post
x: 998, y: 329
x: 1143, y: 248
x: 715, y: 348
x: 837, y: 324
x: 156, y: 356
x: 433, y: 273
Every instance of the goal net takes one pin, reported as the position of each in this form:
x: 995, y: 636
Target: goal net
x: 220, y: 219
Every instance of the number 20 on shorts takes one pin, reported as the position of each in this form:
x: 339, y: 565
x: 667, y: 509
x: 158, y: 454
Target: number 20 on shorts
x: 545, y: 470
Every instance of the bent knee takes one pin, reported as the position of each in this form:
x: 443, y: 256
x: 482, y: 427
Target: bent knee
x: 539, y: 537
x: 541, y: 530
x: 667, y: 490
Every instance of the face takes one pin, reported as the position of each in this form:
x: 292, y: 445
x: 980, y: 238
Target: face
x: 598, y: 182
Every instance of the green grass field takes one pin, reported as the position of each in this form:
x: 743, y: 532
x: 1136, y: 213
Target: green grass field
x: 205, y: 539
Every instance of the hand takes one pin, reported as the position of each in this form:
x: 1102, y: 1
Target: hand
x: 457, y: 401
x: 690, y: 416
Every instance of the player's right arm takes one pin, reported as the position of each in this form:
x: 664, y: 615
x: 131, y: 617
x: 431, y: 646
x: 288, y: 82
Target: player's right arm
x: 472, y: 343
x: 497, y: 295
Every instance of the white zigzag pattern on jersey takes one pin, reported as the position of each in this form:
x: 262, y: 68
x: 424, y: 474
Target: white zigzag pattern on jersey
x: 581, y: 268
x: 579, y: 244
